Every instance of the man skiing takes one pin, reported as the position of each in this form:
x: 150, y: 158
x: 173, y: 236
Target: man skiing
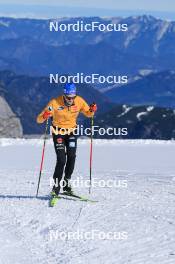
x: 64, y: 111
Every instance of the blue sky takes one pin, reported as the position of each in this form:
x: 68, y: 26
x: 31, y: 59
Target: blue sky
x: 56, y: 8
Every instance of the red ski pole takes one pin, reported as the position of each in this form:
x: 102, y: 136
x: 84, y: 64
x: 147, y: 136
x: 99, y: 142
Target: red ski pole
x: 42, y: 158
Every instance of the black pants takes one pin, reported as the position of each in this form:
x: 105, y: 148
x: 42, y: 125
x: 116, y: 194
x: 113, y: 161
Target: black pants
x: 65, y: 148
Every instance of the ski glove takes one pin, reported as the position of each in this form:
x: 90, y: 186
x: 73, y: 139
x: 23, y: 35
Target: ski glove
x: 46, y: 115
x: 93, y: 107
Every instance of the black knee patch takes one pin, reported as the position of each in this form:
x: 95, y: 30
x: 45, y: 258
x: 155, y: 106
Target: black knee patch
x: 61, y: 159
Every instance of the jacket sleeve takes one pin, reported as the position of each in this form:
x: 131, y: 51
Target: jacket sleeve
x: 49, y: 108
x: 85, y: 109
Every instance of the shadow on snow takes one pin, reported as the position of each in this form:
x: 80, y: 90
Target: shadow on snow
x: 24, y: 197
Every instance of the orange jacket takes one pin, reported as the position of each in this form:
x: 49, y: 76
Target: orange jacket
x: 64, y: 116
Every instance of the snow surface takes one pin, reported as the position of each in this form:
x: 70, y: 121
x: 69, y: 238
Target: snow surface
x: 145, y: 210
x: 126, y: 110
x: 5, y: 24
x: 141, y: 114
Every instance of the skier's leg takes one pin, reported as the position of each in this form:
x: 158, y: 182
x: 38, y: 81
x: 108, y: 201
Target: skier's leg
x: 71, y: 146
x: 59, y: 144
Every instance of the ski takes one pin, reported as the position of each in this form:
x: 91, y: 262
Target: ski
x: 54, y: 199
x: 81, y: 198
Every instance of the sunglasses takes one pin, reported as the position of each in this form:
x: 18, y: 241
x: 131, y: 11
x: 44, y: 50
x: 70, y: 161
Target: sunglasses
x: 70, y: 98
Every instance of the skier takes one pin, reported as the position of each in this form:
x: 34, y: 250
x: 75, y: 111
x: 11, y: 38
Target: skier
x: 64, y: 111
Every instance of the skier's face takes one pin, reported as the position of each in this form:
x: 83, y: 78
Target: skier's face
x: 69, y: 98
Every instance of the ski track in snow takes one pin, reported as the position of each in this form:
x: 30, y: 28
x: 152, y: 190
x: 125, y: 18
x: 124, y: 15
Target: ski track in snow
x: 145, y: 209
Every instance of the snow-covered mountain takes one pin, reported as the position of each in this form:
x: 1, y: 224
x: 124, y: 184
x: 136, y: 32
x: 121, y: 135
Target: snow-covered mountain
x: 27, y: 46
x: 142, y: 122
x: 143, y: 31
x: 157, y: 89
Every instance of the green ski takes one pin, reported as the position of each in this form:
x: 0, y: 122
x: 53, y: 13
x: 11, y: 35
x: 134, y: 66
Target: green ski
x: 54, y: 199
x: 81, y: 198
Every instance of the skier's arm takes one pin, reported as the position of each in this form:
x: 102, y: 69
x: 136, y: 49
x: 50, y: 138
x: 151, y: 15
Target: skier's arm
x: 46, y: 113
x: 86, y: 109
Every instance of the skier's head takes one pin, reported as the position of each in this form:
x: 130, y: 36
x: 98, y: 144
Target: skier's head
x: 69, y: 93
x: 70, y: 89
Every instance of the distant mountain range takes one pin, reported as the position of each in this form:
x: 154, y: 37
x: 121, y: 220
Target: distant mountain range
x: 157, y: 89
x: 27, y: 46
x: 28, y: 51
x: 142, y: 122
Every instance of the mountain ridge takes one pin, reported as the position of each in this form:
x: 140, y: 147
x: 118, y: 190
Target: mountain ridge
x: 157, y: 89
x: 148, y: 44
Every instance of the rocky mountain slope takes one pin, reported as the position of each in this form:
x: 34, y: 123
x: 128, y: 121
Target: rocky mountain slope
x: 157, y: 89
x: 10, y: 125
x: 142, y: 122
x: 27, y: 46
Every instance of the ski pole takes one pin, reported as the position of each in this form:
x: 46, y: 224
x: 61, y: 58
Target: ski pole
x: 91, y: 152
x: 42, y: 158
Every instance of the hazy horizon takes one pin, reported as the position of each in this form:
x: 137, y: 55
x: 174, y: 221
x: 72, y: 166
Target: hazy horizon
x: 46, y: 12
